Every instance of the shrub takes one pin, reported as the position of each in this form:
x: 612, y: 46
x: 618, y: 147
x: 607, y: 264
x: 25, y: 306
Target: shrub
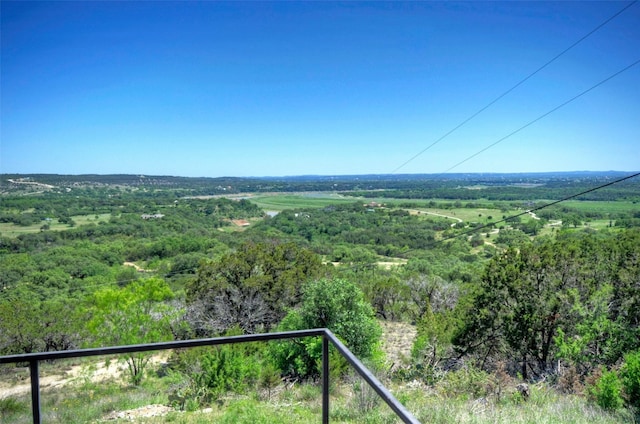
x: 607, y: 391
x: 335, y: 304
x: 432, y: 345
x: 630, y: 374
x: 225, y: 369
x: 467, y: 382
x: 207, y: 373
x: 569, y: 381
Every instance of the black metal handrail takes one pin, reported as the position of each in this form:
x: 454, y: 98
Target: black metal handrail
x: 327, y: 337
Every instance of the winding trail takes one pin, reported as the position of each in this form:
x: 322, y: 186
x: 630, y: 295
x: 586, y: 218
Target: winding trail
x: 419, y: 211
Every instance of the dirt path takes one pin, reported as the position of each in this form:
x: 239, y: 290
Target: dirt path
x: 96, y: 372
x: 32, y: 183
x: 101, y: 372
x: 418, y: 211
x: 533, y: 215
x: 135, y: 266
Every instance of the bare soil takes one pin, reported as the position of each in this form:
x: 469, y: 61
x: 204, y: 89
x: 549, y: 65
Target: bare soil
x: 96, y: 372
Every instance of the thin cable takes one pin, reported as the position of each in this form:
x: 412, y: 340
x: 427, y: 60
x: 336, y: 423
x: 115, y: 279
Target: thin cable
x: 429, y: 246
x: 544, y: 115
x: 493, y: 224
x: 515, y: 86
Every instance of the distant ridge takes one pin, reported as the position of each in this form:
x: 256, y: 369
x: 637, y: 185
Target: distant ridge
x: 133, y: 178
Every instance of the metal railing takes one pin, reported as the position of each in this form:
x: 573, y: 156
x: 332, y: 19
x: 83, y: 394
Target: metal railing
x: 327, y: 337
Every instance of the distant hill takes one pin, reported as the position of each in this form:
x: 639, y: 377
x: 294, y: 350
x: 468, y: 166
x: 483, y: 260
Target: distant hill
x: 463, y: 186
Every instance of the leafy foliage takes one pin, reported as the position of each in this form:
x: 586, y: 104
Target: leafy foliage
x: 134, y: 314
x: 571, y: 298
x: 630, y: 374
x: 32, y: 326
x: 557, y: 296
x: 607, y: 391
x: 335, y: 304
x: 250, y: 288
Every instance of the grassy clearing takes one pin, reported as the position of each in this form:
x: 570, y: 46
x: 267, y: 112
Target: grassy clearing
x: 8, y: 229
x: 280, y: 202
x: 479, y: 215
x: 602, y: 207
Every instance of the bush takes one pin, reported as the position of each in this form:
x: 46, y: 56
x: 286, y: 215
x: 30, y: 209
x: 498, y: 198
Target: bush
x: 432, y: 344
x: 207, y: 373
x: 468, y: 382
x: 630, y: 374
x: 334, y: 304
x: 607, y: 391
x: 225, y: 369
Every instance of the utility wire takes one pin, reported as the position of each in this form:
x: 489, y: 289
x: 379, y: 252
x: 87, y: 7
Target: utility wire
x: 514, y: 87
x: 352, y: 267
x: 528, y: 211
x: 492, y: 224
x: 544, y: 115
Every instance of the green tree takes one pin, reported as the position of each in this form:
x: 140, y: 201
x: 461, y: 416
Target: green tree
x: 251, y: 288
x: 387, y: 294
x: 335, y: 304
x: 19, y: 329
x: 515, y: 311
x: 28, y: 325
x: 512, y: 237
x: 137, y: 313
x: 571, y: 297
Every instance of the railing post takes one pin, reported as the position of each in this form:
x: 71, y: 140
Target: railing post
x: 325, y: 379
x: 35, y: 391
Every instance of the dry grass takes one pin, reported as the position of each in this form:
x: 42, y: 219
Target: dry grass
x: 397, y: 341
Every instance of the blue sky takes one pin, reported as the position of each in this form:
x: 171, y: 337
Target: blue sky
x: 295, y: 88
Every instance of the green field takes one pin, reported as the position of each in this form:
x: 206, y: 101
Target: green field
x: 602, y: 207
x: 8, y: 229
x: 280, y: 202
x: 480, y: 215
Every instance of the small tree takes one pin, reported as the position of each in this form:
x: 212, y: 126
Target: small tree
x: 335, y: 304
x: 132, y: 315
x: 252, y: 287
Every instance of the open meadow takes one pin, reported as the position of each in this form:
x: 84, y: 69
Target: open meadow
x: 282, y: 201
x: 8, y: 229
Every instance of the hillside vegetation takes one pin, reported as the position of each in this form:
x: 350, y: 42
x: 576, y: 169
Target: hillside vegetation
x: 519, y: 316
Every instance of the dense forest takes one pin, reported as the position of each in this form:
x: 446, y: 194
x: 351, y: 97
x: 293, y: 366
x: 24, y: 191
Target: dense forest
x: 489, y: 286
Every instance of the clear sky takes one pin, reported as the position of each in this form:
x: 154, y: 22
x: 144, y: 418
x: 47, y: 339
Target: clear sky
x: 294, y: 88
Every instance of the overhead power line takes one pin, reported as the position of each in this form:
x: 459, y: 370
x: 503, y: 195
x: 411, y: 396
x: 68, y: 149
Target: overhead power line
x: 476, y: 229
x: 513, y: 87
x: 442, y: 240
x: 544, y: 115
x: 528, y: 211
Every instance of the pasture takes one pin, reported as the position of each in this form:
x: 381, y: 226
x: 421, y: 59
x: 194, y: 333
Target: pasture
x: 8, y: 229
x: 613, y: 207
x: 279, y: 201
